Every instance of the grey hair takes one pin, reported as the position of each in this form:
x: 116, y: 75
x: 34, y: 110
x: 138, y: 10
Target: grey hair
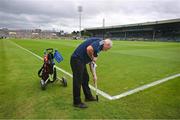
x: 109, y: 41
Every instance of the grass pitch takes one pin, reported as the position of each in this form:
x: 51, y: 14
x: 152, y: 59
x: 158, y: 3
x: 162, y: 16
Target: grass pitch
x: 126, y: 66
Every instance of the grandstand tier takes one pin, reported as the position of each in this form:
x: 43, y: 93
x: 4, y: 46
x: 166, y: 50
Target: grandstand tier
x: 166, y: 30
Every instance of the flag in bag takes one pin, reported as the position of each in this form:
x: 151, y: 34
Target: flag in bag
x: 58, y: 57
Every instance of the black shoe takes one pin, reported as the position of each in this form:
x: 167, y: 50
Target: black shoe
x: 90, y: 99
x: 80, y: 105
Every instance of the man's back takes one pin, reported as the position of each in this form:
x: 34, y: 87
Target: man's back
x: 80, y: 51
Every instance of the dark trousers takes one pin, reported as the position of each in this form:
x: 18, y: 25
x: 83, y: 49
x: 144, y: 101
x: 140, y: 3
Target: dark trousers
x: 80, y: 77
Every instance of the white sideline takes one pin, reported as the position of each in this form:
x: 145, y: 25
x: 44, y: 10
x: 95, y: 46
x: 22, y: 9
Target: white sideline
x: 124, y: 94
x: 67, y: 73
x: 144, y: 87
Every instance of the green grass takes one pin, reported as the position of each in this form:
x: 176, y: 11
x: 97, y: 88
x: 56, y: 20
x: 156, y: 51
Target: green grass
x: 152, y: 60
x: 126, y: 66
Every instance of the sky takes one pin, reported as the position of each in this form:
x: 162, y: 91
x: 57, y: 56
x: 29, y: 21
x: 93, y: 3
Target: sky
x: 63, y: 14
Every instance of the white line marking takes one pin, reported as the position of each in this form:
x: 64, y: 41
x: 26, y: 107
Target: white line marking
x: 144, y: 87
x: 105, y: 94
x: 101, y: 92
x: 67, y: 73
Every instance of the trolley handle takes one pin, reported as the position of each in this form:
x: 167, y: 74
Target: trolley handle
x: 49, y: 49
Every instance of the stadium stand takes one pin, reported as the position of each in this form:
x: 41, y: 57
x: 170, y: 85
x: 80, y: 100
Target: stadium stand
x: 3, y: 33
x: 28, y: 33
x: 165, y: 30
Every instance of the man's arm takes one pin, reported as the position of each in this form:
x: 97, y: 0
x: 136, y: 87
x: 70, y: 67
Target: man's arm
x: 90, y: 52
x: 90, y: 68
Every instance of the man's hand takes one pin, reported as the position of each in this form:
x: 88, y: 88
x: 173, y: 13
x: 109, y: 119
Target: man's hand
x: 94, y: 78
x: 94, y: 59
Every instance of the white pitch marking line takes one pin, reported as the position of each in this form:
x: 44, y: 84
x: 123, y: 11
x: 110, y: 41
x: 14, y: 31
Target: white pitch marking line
x: 67, y: 73
x: 144, y: 87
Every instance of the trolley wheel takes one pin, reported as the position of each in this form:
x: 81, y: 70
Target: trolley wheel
x: 64, y: 82
x: 43, y: 85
